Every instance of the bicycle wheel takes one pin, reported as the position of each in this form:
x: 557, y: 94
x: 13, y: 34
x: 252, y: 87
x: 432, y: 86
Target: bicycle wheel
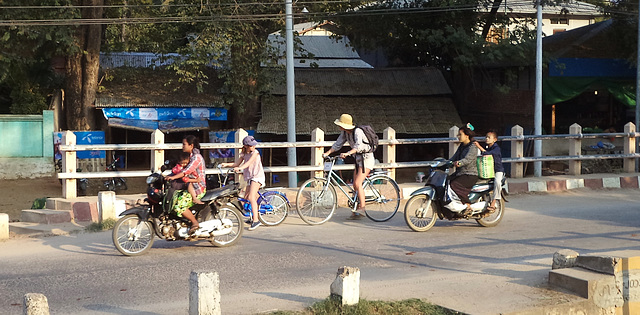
x: 274, y: 208
x: 316, y: 201
x: 382, y: 197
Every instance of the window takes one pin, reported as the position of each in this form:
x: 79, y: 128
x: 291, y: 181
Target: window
x: 560, y: 21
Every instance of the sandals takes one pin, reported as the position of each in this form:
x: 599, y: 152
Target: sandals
x: 194, y: 228
x: 355, y: 216
x: 491, y: 209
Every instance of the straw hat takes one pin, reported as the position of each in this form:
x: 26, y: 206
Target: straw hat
x: 345, y: 122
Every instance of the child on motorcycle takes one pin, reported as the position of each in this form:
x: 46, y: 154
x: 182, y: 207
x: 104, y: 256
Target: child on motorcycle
x: 492, y: 148
x: 187, y: 180
x: 251, y: 165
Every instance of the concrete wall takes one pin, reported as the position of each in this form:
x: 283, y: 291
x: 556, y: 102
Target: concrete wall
x: 26, y: 146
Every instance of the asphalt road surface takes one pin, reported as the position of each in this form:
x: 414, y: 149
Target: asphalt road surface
x: 457, y: 264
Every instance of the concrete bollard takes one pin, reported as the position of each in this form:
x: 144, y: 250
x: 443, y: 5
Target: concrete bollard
x: 346, y: 286
x: 35, y: 304
x: 4, y: 226
x: 204, y: 293
x: 106, y: 205
x: 564, y: 258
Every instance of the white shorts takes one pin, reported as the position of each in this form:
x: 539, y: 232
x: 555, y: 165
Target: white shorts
x: 260, y: 181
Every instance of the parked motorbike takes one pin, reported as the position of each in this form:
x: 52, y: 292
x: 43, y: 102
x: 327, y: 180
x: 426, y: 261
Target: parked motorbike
x: 114, y: 183
x: 433, y: 201
x: 220, y: 218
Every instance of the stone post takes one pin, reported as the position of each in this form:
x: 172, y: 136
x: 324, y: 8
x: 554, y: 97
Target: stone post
x: 35, y: 304
x: 453, y: 146
x: 517, y: 151
x: 346, y: 286
x: 564, y: 258
x: 575, y: 148
x: 389, y: 150
x: 106, y: 205
x: 157, y: 156
x: 204, y: 293
x: 629, y: 164
x: 4, y: 226
x: 317, y: 135
x: 69, y: 166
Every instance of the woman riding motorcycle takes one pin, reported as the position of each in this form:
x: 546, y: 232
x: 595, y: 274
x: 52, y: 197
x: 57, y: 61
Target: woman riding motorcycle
x: 464, y: 160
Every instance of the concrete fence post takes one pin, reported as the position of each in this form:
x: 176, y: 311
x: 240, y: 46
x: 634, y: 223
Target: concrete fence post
x: 317, y: 135
x: 517, y: 151
x: 69, y: 166
x: 35, y: 304
x: 629, y: 164
x: 157, y: 156
x: 4, y: 226
x: 204, y: 293
x: 453, y: 146
x: 575, y: 148
x: 106, y: 205
x: 240, y: 134
x: 389, y: 150
x: 346, y: 286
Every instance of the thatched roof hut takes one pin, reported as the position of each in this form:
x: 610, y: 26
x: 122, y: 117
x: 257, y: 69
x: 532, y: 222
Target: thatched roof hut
x: 410, y: 100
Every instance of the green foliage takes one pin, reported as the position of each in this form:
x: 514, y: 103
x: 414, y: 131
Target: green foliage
x: 331, y: 306
x: 107, y: 224
x: 39, y: 203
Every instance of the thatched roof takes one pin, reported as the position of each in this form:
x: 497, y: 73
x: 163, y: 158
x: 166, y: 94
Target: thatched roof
x: 411, y: 100
x: 361, y: 82
x: 405, y: 114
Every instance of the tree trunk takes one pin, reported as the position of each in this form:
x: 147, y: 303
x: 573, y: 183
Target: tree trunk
x: 82, y: 71
x: 490, y: 18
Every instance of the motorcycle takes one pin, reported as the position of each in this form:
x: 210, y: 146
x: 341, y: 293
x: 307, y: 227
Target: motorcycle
x: 220, y: 218
x: 114, y: 183
x: 435, y: 201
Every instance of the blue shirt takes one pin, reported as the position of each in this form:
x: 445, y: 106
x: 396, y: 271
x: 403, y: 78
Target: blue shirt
x: 494, y: 150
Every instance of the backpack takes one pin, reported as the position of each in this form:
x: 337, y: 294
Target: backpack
x: 372, y: 137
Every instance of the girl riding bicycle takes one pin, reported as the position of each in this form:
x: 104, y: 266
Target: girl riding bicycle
x: 251, y: 165
x: 364, y: 159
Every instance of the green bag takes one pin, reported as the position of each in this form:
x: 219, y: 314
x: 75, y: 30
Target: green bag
x: 485, y: 167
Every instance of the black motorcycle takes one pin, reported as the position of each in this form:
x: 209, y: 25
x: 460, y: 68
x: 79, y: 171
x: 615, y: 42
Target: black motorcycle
x: 114, y: 183
x: 434, y: 200
x: 219, y: 217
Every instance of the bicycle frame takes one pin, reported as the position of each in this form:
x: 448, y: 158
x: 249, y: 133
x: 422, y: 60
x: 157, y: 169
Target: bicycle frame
x: 334, y: 179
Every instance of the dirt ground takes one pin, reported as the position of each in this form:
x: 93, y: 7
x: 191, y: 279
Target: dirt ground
x: 19, y: 194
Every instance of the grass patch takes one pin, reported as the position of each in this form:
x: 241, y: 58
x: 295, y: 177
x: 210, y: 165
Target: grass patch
x: 98, y: 227
x: 332, y: 306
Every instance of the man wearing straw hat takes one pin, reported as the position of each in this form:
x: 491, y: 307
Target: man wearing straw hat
x: 364, y: 159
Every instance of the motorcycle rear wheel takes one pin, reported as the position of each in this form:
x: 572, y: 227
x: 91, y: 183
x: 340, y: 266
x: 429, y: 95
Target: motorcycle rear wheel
x: 132, y: 236
x: 494, y: 218
x: 420, y: 213
x: 225, y: 212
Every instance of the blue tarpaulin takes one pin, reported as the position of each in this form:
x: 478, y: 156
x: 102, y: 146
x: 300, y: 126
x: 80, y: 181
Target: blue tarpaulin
x: 165, y: 113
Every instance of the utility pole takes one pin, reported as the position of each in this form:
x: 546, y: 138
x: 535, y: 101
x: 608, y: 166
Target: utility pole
x: 537, y: 148
x: 291, y: 95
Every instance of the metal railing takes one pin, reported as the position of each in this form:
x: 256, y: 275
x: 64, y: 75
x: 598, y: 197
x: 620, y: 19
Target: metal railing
x: 388, y: 144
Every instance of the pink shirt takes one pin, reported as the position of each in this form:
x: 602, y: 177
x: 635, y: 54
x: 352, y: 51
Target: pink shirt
x: 255, y: 170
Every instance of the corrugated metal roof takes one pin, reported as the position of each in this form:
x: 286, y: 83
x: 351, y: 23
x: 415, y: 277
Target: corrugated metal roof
x: 569, y: 8
x: 361, y: 82
x: 319, y: 46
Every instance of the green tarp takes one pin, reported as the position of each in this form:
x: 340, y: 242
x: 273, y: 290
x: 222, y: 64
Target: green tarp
x: 560, y: 89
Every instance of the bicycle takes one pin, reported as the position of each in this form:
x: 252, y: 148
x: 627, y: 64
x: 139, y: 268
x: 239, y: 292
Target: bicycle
x: 273, y: 205
x: 317, y: 200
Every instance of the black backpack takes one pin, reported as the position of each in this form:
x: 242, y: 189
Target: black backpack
x: 372, y: 137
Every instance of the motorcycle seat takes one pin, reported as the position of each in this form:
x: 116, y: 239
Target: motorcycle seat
x: 217, y: 192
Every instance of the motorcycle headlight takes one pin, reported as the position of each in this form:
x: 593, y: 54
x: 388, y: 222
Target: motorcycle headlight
x: 151, y: 179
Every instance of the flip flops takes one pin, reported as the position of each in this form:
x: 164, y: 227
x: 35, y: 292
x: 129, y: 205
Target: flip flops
x: 491, y: 209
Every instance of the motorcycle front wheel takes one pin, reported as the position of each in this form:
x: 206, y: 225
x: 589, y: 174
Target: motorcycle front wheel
x: 132, y: 236
x: 493, y: 219
x: 226, y: 212
x: 420, y: 213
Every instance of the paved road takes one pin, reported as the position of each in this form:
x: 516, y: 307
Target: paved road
x: 457, y: 264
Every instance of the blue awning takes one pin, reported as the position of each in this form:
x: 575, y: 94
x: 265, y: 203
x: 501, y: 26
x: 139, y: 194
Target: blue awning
x: 176, y: 125
x: 166, y: 113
